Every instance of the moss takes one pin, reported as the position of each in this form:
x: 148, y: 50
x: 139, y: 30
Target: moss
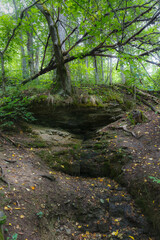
x: 99, y: 146
x: 129, y: 104
x: 147, y: 197
x: 40, y: 98
x: 37, y: 144
x: 136, y: 116
x: 47, y: 157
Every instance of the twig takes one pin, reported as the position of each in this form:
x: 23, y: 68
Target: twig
x: 2, y: 177
x: 10, y: 140
x: 9, y: 161
x: 49, y: 177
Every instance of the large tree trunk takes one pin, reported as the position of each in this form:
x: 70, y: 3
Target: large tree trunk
x: 62, y: 35
x: 63, y: 81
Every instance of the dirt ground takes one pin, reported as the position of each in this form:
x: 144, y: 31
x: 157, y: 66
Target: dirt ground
x: 44, y: 204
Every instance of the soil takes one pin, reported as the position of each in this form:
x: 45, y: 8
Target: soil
x: 41, y: 203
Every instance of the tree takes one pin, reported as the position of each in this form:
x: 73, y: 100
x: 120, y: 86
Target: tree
x: 110, y: 28
x: 23, y: 55
x: 63, y: 81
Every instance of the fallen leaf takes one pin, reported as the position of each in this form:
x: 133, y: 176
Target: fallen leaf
x: 8, y: 208
x: 22, y: 216
x: 131, y: 237
x: 115, y: 233
x: 101, y: 200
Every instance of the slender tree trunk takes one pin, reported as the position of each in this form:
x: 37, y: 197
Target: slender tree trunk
x: 63, y: 81
x: 122, y: 73
x: 87, y: 75
x: 30, y: 49
x: 102, y: 68
x: 25, y: 73
x: 37, y: 60
x: 96, y: 70
x: 110, y: 72
x: 108, y: 62
x: 30, y: 52
x: 23, y: 57
x: 3, y: 74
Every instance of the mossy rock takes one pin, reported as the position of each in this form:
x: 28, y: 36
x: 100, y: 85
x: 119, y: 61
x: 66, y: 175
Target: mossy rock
x: 37, y: 144
x: 137, y: 116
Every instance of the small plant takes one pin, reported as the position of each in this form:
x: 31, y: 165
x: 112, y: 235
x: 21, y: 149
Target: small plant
x: 154, y: 179
x: 13, y: 237
x: 40, y: 214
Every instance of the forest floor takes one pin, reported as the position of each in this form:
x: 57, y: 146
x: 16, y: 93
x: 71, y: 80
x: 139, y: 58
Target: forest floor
x: 44, y: 204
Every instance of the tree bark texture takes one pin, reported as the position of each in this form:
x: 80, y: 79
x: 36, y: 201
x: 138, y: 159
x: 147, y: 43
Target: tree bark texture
x: 63, y: 81
x: 23, y: 57
x: 96, y: 71
x: 3, y: 74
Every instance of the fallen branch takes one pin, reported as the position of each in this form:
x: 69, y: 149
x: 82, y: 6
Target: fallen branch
x: 10, y: 140
x: 2, y: 177
x: 149, y: 105
x: 9, y: 161
x: 149, y: 96
x: 49, y: 177
x: 124, y: 127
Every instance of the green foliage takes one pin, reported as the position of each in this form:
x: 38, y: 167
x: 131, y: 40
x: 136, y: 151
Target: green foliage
x: 13, y: 237
x: 154, y: 179
x: 40, y: 214
x: 13, y: 109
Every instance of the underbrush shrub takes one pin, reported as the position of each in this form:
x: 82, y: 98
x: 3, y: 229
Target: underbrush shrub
x: 14, y: 110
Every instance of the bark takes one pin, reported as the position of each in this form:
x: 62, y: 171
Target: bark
x: 63, y: 81
x: 30, y: 52
x: 87, y: 76
x: 62, y: 35
x: 37, y: 59
x: 108, y: 61
x: 3, y: 73
x: 102, y: 68
x: 122, y: 73
x: 110, y: 71
x: 96, y: 70
x: 23, y: 57
x: 30, y: 49
x: 24, y: 62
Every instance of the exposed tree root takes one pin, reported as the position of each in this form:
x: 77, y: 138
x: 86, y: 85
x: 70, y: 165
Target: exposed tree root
x: 2, y: 177
x: 9, y: 161
x: 49, y: 177
x: 124, y: 127
x: 6, y: 138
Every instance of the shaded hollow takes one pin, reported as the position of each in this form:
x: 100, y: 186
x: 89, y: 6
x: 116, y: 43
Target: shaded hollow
x: 80, y: 120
